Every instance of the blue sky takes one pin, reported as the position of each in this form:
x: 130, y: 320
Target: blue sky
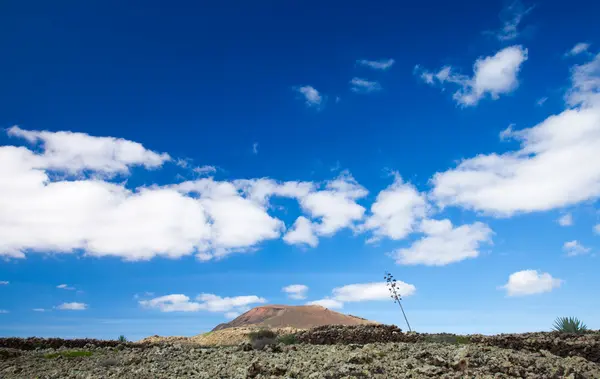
x: 165, y: 167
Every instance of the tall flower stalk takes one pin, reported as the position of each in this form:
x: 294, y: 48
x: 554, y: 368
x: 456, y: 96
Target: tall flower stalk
x: 392, y: 286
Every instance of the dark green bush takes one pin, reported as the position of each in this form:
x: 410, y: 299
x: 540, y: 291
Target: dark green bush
x: 288, y: 339
x: 122, y: 339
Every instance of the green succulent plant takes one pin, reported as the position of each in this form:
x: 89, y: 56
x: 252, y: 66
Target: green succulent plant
x: 569, y: 325
x: 122, y: 338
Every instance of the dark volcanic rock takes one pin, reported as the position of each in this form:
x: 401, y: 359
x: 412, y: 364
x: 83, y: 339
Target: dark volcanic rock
x: 355, y: 334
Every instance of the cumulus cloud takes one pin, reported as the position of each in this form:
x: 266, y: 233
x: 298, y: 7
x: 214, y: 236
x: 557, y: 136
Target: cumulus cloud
x: 76, y: 152
x: 360, y: 85
x: 312, y: 97
x: 573, y: 248
x: 511, y: 17
x: 65, y: 287
x: 382, y: 64
x: 556, y: 164
x: 296, y: 291
x: 396, y: 211
x: 359, y: 292
x: 42, y: 210
x: 73, y: 306
x: 493, y: 75
x: 203, y: 302
x: 302, y: 232
x: 530, y: 282
x: 443, y: 243
x: 579, y: 48
x: 565, y: 220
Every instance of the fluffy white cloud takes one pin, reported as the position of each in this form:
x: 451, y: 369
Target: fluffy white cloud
x: 204, y: 302
x: 370, y: 291
x: 444, y: 244
x: 4, y: 282
x: 573, y: 248
x: 579, y: 48
x: 396, y: 211
x: 231, y: 315
x: 302, y: 232
x: 171, y: 303
x: 327, y: 303
x: 530, y: 282
x: 296, y: 291
x: 311, y: 96
x: 65, y: 287
x: 72, y: 306
x: 556, y: 165
x: 375, y: 291
x: 511, y: 17
x: 335, y: 206
x: 565, y: 220
x: 76, y: 152
x: 382, y: 64
x: 359, y: 85
x: 493, y: 75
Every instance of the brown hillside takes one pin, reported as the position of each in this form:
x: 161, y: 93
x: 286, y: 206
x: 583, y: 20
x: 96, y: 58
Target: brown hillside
x: 292, y: 316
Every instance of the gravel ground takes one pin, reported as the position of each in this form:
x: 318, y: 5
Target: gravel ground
x: 377, y: 360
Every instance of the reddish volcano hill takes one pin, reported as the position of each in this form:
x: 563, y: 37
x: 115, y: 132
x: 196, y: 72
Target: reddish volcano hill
x: 294, y: 316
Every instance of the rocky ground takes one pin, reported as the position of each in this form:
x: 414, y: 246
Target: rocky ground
x: 319, y: 355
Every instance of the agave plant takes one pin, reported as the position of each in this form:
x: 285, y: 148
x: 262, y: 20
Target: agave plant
x: 122, y: 338
x: 569, y: 325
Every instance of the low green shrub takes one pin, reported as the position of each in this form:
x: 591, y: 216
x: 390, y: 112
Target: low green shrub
x: 288, y: 339
x: 122, y: 339
x: 69, y: 354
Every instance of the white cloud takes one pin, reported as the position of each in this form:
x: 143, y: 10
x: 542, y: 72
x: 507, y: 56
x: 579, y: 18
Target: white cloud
x: 214, y: 303
x: 579, y: 48
x: 573, y: 248
x: 204, y: 302
x: 382, y: 64
x: 597, y: 229
x: 4, y: 282
x: 73, y: 306
x: 556, y: 165
x: 376, y: 291
x: 296, y: 291
x: 255, y: 148
x: 301, y: 233
x: 541, y: 101
x: 3, y: 311
x: 311, y: 96
x: 327, y: 303
x: 38, y: 310
x: 396, y: 211
x: 359, y: 85
x: 444, y: 244
x: 204, y: 170
x: 76, y: 152
x: 335, y: 206
x: 530, y: 282
x: 511, y: 17
x: 370, y: 291
x: 65, y: 287
x: 565, y: 220
x: 493, y: 75
x: 171, y: 303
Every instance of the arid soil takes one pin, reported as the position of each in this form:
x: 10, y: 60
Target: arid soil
x: 331, y: 352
